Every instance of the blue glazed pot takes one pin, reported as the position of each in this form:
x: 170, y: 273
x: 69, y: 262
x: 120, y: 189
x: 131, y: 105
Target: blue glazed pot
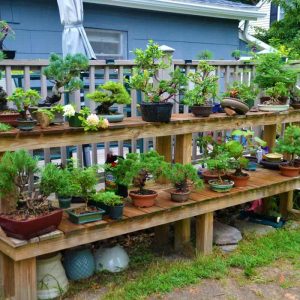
x: 79, y: 264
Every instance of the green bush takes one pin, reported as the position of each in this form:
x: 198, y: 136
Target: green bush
x: 108, y: 198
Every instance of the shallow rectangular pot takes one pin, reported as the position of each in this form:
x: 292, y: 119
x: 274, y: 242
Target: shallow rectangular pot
x: 85, y: 218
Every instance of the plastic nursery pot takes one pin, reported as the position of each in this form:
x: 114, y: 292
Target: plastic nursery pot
x: 143, y: 200
x: 64, y: 202
x: 202, y: 110
x: 26, y: 125
x: 239, y: 107
x: 156, y: 112
x: 179, y: 196
x: 289, y: 171
x: 116, y: 212
x: 240, y: 181
x: 9, y: 118
x: 209, y: 175
x: 74, y: 121
x: 216, y: 186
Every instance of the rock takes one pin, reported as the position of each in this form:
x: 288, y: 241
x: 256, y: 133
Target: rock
x: 249, y: 227
x: 225, y: 234
x: 228, y: 248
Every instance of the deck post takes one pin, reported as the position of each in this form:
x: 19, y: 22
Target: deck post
x: 286, y: 203
x: 204, y: 233
x: 183, y: 155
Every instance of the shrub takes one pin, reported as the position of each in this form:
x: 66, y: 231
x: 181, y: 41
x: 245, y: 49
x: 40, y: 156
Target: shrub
x: 108, y: 198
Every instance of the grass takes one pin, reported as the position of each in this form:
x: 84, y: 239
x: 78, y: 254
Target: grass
x: 150, y: 274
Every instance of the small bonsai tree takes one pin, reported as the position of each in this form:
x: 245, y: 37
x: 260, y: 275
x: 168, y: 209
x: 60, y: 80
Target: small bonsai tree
x: 5, y: 31
x: 146, y: 79
x: 23, y: 100
x: 181, y: 176
x: 242, y: 92
x: 16, y: 169
x: 219, y: 164
x: 205, y: 85
x: 290, y: 143
x: 108, y: 198
x: 65, y: 74
x: 205, y: 55
x: 236, y: 54
x: 277, y: 93
x: 238, y: 161
x: 108, y: 94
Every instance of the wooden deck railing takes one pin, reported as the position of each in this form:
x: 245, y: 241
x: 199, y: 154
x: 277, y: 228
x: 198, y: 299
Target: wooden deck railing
x: 29, y: 74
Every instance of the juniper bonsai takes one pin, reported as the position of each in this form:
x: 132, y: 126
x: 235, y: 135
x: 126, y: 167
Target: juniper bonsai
x: 108, y: 198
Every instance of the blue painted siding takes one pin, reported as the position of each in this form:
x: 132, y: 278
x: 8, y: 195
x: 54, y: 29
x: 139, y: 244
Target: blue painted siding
x: 38, y: 29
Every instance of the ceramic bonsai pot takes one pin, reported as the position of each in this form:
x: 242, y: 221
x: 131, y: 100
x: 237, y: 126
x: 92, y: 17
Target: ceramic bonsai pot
x: 114, y: 118
x: 295, y: 105
x: 156, y: 112
x: 179, y: 196
x: 240, y: 181
x: 77, y: 199
x: 27, y: 229
x: 271, y: 165
x: 74, y: 121
x: 238, y: 106
x: 289, y: 171
x: 85, y: 217
x: 9, y: 54
x: 143, y: 200
x: 116, y: 212
x: 208, y: 175
x: 273, y: 108
x: 202, y: 110
x: 9, y: 118
x: 216, y: 186
x: 64, y: 202
x: 26, y: 125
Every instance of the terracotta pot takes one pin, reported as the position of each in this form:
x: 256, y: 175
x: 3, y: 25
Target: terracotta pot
x: 10, y: 118
x: 143, y: 200
x: 27, y: 229
x: 240, y: 181
x: 297, y: 162
x: 43, y: 119
x: 208, y: 175
x: 179, y: 197
x: 289, y: 171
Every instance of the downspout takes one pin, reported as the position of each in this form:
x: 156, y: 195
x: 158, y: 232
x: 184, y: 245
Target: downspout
x: 244, y: 35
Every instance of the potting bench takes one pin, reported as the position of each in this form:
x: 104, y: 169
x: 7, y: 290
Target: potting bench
x: 18, y: 259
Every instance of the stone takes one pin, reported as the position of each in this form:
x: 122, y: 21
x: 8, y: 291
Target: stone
x: 228, y: 248
x: 249, y: 227
x: 225, y: 234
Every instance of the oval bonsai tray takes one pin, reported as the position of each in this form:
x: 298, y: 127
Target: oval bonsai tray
x: 27, y: 229
x: 238, y: 106
x: 88, y: 217
x: 273, y: 108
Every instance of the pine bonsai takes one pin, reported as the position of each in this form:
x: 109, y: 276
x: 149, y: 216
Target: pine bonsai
x: 107, y: 198
x: 108, y: 94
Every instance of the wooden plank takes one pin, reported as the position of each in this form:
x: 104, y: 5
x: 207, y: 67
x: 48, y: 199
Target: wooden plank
x: 204, y: 233
x: 183, y: 148
x: 164, y: 147
x: 161, y: 234
x: 286, y: 203
x: 7, y: 277
x: 182, y: 234
x: 269, y: 135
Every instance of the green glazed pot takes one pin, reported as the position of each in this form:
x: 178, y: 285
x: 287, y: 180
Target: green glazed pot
x: 221, y: 188
x: 74, y: 121
x: 64, y: 202
x: 85, y: 218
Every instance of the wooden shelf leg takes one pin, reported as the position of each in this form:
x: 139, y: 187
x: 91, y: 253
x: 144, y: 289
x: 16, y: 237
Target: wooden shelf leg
x: 286, y: 202
x: 164, y: 147
x: 161, y: 236
x: 182, y: 233
x: 204, y: 233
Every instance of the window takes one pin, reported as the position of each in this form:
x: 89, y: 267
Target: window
x: 108, y: 44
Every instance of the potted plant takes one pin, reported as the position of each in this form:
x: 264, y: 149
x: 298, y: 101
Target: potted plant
x: 86, y: 179
x: 7, y: 115
x: 44, y: 117
x: 239, y: 97
x: 75, y: 118
x: 107, y: 95
x: 220, y: 164
x: 156, y: 106
x: 238, y: 162
x: 92, y: 122
x: 236, y: 54
x: 23, y: 100
x: 6, y: 31
x: 65, y: 74
x: 205, y: 89
x: 276, y: 79
x: 137, y: 170
x: 289, y: 144
x: 205, y: 55
x: 182, y: 177
x: 28, y: 214
x: 113, y: 204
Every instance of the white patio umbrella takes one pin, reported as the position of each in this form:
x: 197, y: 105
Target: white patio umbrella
x: 74, y: 38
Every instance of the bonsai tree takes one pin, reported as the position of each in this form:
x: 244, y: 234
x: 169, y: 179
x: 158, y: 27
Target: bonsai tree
x: 108, y: 94
x: 23, y: 100
x: 290, y: 143
x: 278, y: 93
x: 107, y: 198
x: 219, y: 164
x: 65, y: 74
x: 146, y: 75
x: 242, y: 92
x: 236, y: 54
x: 205, y: 55
x: 205, y: 85
x: 16, y: 169
x: 5, y: 31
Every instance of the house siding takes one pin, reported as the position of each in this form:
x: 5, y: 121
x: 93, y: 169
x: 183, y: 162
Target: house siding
x: 263, y: 22
x: 38, y: 29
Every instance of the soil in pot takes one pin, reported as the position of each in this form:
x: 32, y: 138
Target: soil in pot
x: 156, y: 112
x: 221, y: 187
x: 147, y: 199
x: 202, y: 110
x: 116, y: 212
x: 179, y: 196
x: 9, y: 117
x: 289, y: 171
x: 210, y: 175
x: 81, y: 215
x: 241, y: 180
x: 26, y: 125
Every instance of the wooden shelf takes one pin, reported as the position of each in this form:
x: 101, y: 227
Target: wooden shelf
x: 135, y: 128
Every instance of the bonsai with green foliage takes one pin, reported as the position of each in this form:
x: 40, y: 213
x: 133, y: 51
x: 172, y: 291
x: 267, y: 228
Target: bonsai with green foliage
x: 4, y: 127
x: 277, y: 93
x: 205, y: 85
x: 182, y: 176
x: 5, y: 31
x: 23, y: 100
x: 205, y: 55
x: 146, y: 75
x: 65, y: 74
x: 108, y: 94
x: 107, y: 198
x: 219, y: 165
x: 290, y: 143
x: 236, y: 54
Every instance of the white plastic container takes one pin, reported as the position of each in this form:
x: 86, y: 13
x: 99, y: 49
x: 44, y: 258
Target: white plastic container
x: 111, y: 259
x: 52, y: 281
